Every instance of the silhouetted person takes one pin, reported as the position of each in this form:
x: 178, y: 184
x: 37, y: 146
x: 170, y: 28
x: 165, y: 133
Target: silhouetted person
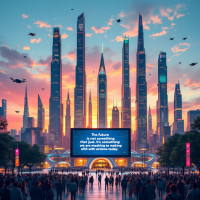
x: 59, y: 189
x: 181, y: 188
x: 36, y: 192
x: 15, y: 193
x: 194, y: 194
x: 5, y: 191
x: 106, y: 182
x: 150, y: 191
x: 124, y: 185
x: 143, y: 194
x: 160, y: 187
x: 173, y: 195
x: 137, y: 188
x: 49, y: 192
x: 99, y: 179
x: 73, y: 189
x: 168, y: 187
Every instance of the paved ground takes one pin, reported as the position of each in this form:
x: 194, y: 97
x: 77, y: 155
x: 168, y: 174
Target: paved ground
x: 99, y: 193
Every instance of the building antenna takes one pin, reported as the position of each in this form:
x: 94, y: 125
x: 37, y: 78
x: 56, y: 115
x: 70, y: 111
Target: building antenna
x: 102, y: 47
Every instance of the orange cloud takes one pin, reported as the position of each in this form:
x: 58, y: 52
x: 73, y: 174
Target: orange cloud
x: 110, y: 22
x: 25, y: 16
x: 146, y: 27
x: 88, y: 35
x: 28, y: 26
x: 180, y: 15
x: 156, y: 19
x: 118, y: 39
x: 176, y: 49
x: 172, y: 57
x: 99, y: 30
x: 3, y: 73
x: 164, y: 28
x: 165, y: 13
x: 188, y: 45
x: 50, y: 35
x: 190, y: 83
x: 35, y: 40
x: 64, y: 35
x: 69, y: 28
x: 6, y: 46
x: 58, y: 26
x: 121, y: 14
x: 173, y: 24
x: 26, y: 48
x: 125, y: 26
x: 42, y: 24
x: 71, y: 56
x: 159, y: 34
x: 132, y: 32
x: 184, y: 75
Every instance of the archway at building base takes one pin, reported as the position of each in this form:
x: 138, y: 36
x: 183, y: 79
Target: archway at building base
x: 101, y: 163
x: 138, y: 164
x: 62, y: 164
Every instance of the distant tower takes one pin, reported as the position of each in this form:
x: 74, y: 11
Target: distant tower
x: 26, y: 111
x: 41, y: 114
x: 150, y: 131
x: 115, y: 117
x: 141, y: 92
x: 90, y: 111
x: 126, y: 91
x: 191, y: 116
x: 67, y: 122
x: 55, y: 101
x: 3, y: 108
x: 162, y: 103
x: 178, y: 125
x: 80, y: 88
x: 102, y: 95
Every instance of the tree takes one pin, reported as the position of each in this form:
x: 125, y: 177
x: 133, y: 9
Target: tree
x: 196, y: 125
x: 35, y: 157
x: 165, y: 151
x: 6, y: 142
x: 3, y: 123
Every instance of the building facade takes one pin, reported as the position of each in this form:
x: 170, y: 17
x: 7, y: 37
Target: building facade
x: 66, y: 138
x: 55, y: 101
x: 13, y: 132
x: 126, y: 91
x: 80, y: 88
x: 141, y: 92
x: 178, y: 125
x: 191, y: 116
x: 162, y: 103
x: 90, y: 111
x: 41, y: 114
x: 115, y: 117
x: 150, y: 131
x: 26, y: 111
x: 3, y: 108
x: 102, y: 96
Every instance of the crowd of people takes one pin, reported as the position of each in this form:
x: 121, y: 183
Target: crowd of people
x: 40, y: 186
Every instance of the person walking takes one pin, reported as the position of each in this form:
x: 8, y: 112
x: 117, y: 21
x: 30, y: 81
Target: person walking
x: 64, y: 183
x: 130, y: 188
x: 24, y: 191
x: 5, y: 191
x: 36, y: 192
x: 82, y: 185
x: 150, y: 191
x: 116, y: 181
x: 143, y: 194
x: 137, y: 188
x: 106, y: 182
x: 193, y: 194
x: 168, y: 187
x: 49, y: 192
x: 173, y: 194
x: 59, y: 189
x: 181, y: 188
x: 91, y: 181
x: 111, y: 181
x: 124, y: 185
x: 15, y: 193
x: 68, y: 181
x: 99, y: 180
x: 73, y: 189
x: 160, y: 187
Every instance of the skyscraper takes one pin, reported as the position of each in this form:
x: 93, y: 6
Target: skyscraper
x: 102, y: 95
x: 31, y: 122
x: 191, y: 116
x: 80, y: 88
x: 141, y: 92
x: 162, y: 103
x: 178, y: 125
x: 26, y: 111
x: 41, y: 114
x: 55, y: 101
x: 126, y: 91
x: 13, y: 132
x: 67, y: 122
x: 3, y: 108
x: 90, y: 111
x: 150, y: 130
x: 115, y: 117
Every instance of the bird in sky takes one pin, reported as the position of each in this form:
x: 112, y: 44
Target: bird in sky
x: 18, y: 80
x: 72, y: 9
x: 31, y: 34
x: 193, y: 64
x: 185, y: 38
x: 17, y: 111
x: 118, y: 20
x: 171, y: 38
x: 42, y: 88
x: 25, y: 56
x: 179, y: 62
x: 149, y: 74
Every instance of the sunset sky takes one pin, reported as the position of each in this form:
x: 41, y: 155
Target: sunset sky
x: 161, y: 21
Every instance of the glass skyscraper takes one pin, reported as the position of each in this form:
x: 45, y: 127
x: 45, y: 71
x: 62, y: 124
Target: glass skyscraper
x: 126, y: 91
x: 80, y: 88
x: 41, y: 114
x: 191, y: 116
x: 178, y: 125
x: 55, y: 101
x: 67, y: 122
x: 90, y: 111
x: 102, y: 96
x: 26, y: 111
x: 3, y: 108
x: 162, y: 103
x: 115, y: 117
x: 141, y: 93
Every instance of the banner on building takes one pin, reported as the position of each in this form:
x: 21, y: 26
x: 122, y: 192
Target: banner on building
x: 16, y: 157
x: 187, y: 154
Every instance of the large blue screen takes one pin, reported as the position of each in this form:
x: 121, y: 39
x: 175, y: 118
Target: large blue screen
x: 100, y: 142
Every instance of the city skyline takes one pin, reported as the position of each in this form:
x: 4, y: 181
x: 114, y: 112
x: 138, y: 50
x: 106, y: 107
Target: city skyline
x: 114, y: 67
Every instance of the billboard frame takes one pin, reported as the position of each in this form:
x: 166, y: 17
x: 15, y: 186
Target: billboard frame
x: 100, y: 156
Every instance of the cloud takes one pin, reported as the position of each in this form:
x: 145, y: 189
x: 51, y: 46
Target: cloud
x: 176, y: 49
x: 64, y: 35
x: 188, y: 45
x: 88, y: 35
x: 50, y: 35
x: 132, y: 32
x: 6, y: 46
x: 42, y: 24
x: 26, y: 48
x: 173, y: 24
x: 180, y: 15
x: 60, y: 26
x: 121, y: 14
x: 117, y: 65
x: 159, y: 34
x: 25, y: 16
x: 100, y: 30
x: 69, y: 28
x: 192, y: 84
x: 156, y: 19
x: 118, y: 39
x: 35, y: 40
x: 125, y: 26
x: 184, y: 75
x: 28, y: 26
x: 110, y: 22
x: 71, y: 55
x: 172, y: 57
x: 163, y: 28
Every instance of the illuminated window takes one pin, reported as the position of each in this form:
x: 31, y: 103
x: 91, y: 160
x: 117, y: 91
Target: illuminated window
x: 55, y: 36
x: 121, y: 162
x: 80, y: 162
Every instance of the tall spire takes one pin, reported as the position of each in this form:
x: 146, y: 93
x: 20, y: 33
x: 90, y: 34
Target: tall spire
x: 90, y: 94
x: 26, y: 92
x: 102, y: 47
x: 140, y: 45
x: 149, y: 110
x: 102, y: 69
x: 68, y: 94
